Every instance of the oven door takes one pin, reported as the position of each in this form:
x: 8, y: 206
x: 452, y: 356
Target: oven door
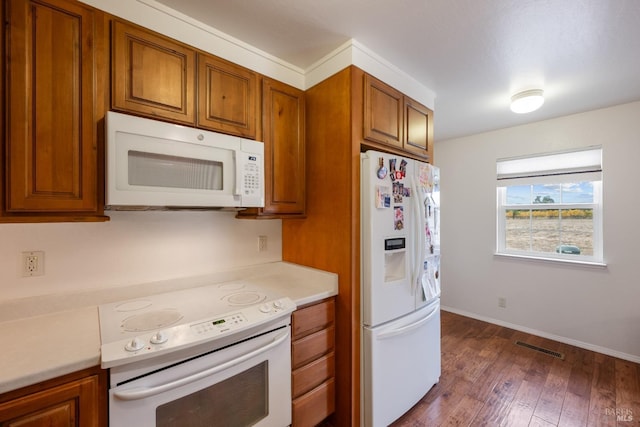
x: 245, y: 384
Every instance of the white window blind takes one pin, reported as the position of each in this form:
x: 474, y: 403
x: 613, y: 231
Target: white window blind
x: 560, y: 163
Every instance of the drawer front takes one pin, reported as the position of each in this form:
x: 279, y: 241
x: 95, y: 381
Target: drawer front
x: 312, y: 347
x: 312, y: 318
x: 312, y: 375
x: 313, y: 407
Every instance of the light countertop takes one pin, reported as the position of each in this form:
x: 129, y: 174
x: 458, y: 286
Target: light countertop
x: 48, y: 336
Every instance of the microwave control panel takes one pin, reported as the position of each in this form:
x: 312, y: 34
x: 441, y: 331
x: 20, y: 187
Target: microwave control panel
x: 251, y: 180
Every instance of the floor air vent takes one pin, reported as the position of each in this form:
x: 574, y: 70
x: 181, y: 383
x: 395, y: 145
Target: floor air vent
x: 555, y: 354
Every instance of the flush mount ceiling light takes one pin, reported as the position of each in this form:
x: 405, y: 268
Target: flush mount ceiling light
x: 527, y: 101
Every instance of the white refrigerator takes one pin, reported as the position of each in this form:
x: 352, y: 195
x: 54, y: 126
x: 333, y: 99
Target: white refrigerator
x: 400, y: 217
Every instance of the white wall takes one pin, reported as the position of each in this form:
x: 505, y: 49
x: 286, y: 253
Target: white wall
x: 595, y: 308
x: 132, y: 248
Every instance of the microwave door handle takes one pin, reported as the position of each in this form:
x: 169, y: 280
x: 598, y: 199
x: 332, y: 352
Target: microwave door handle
x: 239, y: 168
x: 144, y: 392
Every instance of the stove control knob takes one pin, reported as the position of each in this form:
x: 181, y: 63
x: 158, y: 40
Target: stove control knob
x: 265, y: 308
x: 134, y: 345
x: 278, y: 304
x: 159, y: 337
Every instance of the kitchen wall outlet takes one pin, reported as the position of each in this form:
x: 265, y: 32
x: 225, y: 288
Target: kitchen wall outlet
x: 32, y: 263
x: 502, y: 302
x: 262, y: 243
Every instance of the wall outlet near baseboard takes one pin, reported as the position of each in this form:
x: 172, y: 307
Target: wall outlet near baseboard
x: 502, y: 302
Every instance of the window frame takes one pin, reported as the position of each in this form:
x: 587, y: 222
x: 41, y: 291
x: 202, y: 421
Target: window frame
x: 541, y: 176
x: 596, y: 206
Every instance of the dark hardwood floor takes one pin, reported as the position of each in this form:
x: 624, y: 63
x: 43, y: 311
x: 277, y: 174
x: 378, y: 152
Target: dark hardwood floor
x: 488, y: 380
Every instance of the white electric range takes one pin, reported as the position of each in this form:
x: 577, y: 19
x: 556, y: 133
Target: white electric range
x: 228, y: 343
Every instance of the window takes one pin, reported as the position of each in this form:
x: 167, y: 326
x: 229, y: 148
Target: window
x: 550, y: 206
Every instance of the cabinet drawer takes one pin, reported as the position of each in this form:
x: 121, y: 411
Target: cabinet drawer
x: 312, y: 318
x: 311, y: 347
x: 315, y: 406
x: 312, y: 375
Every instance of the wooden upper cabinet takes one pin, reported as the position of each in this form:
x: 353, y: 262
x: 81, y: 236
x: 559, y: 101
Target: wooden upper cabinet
x: 418, y: 128
x: 152, y: 75
x: 284, y: 148
x: 53, y: 79
x: 383, y: 107
x: 392, y: 119
x: 227, y: 97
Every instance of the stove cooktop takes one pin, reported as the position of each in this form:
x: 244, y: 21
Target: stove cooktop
x: 157, y: 324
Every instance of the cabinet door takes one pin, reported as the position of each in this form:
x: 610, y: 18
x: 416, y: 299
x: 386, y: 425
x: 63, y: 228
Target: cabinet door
x: 152, y: 75
x: 72, y: 404
x: 284, y: 151
x: 382, y: 113
x: 227, y: 97
x: 51, y: 154
x: 418, y: 128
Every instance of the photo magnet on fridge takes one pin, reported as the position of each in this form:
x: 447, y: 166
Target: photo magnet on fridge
x: 398, y: 192
x: 383, y: 197
x: 398, y: 218
x: 403, y: 168
x: 382, y: 171
x: 392, y: 169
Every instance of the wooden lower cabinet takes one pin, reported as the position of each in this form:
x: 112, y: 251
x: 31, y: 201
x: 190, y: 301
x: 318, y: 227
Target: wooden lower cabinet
x: 313, y: 363
x: 73, y: 400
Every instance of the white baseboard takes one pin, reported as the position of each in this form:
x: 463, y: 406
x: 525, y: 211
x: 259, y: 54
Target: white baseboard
x: 584, y: 345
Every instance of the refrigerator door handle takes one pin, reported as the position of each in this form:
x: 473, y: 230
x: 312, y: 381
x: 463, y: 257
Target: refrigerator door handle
x: 419, y: 247
x: 408, y: 328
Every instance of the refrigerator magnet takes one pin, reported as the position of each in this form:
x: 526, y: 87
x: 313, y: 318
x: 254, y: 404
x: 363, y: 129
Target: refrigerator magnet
x: 398, y: 218
x: 383, y: 197
x: 382, y: 171
x: 403, y: 168
x: 398, y: 192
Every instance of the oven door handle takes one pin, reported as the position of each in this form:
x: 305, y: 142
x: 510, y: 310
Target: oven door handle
x: 143, y: 392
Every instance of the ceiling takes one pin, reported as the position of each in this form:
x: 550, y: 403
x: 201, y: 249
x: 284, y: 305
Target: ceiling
x: 473, y: 54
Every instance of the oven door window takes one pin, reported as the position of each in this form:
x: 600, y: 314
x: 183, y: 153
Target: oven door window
x: 241, y: 400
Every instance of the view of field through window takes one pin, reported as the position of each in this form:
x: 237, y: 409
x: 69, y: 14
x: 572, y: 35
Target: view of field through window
x: 541, y: 231
x: 534, y: 224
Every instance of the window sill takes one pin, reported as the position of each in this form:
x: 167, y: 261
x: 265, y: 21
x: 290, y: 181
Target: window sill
x: 533, y: 258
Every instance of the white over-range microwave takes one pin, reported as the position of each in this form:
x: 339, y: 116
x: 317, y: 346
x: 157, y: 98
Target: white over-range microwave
x: 153, y: 164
